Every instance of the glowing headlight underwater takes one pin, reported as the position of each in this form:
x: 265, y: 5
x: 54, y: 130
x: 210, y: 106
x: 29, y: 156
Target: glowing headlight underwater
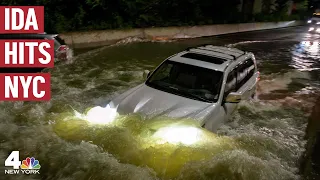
x: 178, y: 135
x: 99, y: 115
x: 172, y: 134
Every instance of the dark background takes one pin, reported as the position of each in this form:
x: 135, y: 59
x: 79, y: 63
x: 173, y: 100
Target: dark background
x: 83, y: 15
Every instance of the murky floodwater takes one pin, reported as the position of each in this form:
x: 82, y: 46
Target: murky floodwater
x: 263, y: 140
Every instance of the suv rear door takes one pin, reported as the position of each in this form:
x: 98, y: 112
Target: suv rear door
x: 246, y: 78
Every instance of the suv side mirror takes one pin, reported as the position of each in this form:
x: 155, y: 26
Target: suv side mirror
x: 146, y: 74
x: 233, y: 97
x: 149, y: 73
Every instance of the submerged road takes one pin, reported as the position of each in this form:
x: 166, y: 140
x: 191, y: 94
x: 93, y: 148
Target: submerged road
x: 265, y: 139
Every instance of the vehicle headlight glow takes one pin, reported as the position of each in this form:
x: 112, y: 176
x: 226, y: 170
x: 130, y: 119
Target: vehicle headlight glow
x: 318, y: 22
x: 311, y: 29
x: 99, y: 115
x: 309, y: 21
x: 178, y: 135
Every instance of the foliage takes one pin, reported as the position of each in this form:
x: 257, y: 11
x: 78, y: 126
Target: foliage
x: 75, y: 15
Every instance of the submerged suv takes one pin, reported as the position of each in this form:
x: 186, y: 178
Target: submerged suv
x: 60, y: 49
x: 204, y: 83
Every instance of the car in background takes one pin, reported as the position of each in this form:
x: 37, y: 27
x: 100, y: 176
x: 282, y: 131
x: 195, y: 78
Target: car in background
x: 61, y: 49
x: 204, y: 83
x: 314, y: 23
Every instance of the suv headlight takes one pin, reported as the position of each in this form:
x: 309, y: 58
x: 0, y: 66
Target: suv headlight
x: 311, y: 29
x: 309, y: 21
x: 318, y: 22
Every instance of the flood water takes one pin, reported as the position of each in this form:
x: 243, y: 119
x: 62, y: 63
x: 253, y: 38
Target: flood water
x: 264, y: 139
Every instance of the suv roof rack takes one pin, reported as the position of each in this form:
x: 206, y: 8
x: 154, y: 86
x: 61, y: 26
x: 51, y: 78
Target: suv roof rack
x: 200, y: 47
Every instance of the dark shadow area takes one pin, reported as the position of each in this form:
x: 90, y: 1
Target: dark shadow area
x: 20, y: 70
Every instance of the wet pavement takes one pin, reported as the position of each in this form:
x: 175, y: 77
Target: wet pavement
x: 265, y: 138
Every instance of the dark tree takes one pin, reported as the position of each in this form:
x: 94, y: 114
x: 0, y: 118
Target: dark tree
x: 82, y: 15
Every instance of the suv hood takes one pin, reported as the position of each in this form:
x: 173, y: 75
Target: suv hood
x: 153, y: 103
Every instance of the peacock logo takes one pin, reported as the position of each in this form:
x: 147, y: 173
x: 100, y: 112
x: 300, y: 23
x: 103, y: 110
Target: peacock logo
x: 30, y: 163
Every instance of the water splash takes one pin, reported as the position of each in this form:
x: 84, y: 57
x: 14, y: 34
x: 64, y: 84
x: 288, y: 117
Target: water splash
x: 243, y: 42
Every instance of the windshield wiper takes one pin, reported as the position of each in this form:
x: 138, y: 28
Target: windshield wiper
x: 191, y: 95
x: 183, y: 93
x: 199, y: 98
x: 171, y: 87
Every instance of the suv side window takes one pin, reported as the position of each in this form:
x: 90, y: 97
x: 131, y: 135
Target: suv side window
x: 241, y: 75
x: 56, y: 45
x: 231, y: 82
x: 244, y: 72
x: 251, y: 68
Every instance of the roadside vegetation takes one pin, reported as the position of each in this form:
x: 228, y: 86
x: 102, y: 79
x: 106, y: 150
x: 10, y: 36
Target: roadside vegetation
x: 84, y: 15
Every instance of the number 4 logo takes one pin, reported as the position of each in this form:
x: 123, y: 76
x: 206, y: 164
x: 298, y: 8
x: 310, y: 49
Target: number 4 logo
x: 13, y: 160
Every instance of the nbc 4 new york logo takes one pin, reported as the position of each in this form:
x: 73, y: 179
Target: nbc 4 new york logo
x: 28, y: 166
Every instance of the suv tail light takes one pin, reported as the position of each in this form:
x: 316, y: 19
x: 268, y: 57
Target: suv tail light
x: 62, y: 52
x: 63, y: 48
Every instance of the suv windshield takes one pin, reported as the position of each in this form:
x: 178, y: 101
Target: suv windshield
x: 187, y: 80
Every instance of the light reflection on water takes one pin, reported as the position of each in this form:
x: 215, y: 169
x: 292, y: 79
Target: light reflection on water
x: 306, y: 55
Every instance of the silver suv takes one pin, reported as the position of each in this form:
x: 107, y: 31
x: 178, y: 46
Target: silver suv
x: 203, y: 83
